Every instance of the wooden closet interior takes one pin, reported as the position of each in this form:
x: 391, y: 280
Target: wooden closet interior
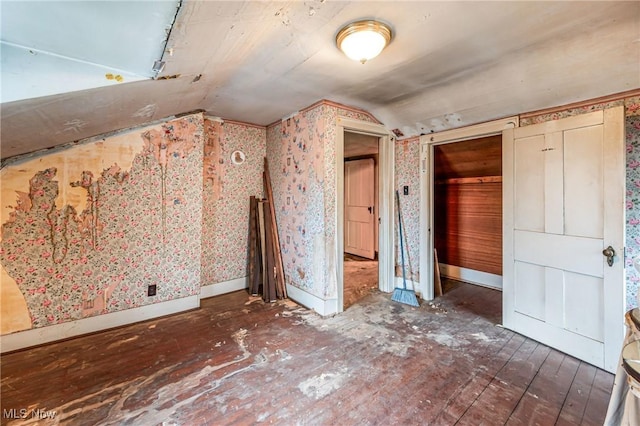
x: 468, y: 204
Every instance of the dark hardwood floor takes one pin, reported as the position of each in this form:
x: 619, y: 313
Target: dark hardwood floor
x: 240, y: 361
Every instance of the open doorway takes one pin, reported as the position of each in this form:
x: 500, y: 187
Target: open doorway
x: 429, y: 145
x: 467, y: 195
x: 383, y: 215
x: 467, y: 217
x: 361, y: 212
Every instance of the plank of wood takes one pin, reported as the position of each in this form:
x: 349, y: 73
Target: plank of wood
x: 276, y: 239
x: 254, y: 274
x: 263, y: 245
x: 437, y: 282
x: 269, y: 293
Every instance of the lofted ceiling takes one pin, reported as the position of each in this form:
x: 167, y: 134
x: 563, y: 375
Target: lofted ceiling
x: 450, y: 63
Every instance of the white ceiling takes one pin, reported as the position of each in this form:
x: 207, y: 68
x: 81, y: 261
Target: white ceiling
x: 450, y: 63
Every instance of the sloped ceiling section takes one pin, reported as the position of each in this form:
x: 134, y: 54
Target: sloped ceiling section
x: 52, y: 47
x: 450, y: 64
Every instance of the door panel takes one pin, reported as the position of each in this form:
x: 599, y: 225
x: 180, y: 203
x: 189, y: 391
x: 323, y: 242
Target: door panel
x: 555, y: 304
x: 583, y: 177
x: 530, y: 289
x: 554, y: 183
x: 568, y: 253
x: 359, y: 231
x: 568, y: 192
x: 529, y: 185
x: 586, y: 293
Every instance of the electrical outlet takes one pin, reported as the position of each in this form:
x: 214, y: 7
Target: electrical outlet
x: 151, y: 290
x: 405, y: 190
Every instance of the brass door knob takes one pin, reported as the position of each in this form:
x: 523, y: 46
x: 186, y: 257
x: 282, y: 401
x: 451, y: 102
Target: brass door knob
x: 609, y: 253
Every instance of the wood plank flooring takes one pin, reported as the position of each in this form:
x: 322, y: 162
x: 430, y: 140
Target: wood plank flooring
x: 240, y: 361
x: 360, y: 278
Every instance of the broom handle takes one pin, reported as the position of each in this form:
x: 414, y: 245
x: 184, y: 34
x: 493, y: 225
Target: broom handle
x: 404, y: 280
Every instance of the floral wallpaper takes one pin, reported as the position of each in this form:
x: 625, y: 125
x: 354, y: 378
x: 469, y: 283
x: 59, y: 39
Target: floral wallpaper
x: 632, y: 131
x: 137, y: 222
x: 296, y: 162
x: 407, y: 173
x: 225, y: 199
x: 568, y: 113
x: 137, y: 229
x: 301, y: 154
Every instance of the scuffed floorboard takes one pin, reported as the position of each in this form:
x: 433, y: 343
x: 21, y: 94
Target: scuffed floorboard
x: 241, y: 361
x: 360, y: 279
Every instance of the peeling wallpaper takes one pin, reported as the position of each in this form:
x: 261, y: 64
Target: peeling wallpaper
x: 87, y: 229
x: 227, y: 188
x: 69, y: 258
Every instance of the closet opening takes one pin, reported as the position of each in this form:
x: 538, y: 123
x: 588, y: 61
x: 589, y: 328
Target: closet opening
x: 467, y: 216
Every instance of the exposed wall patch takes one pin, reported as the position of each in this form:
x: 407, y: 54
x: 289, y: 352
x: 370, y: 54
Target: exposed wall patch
x: 453, y: 119
x: 168, y: 77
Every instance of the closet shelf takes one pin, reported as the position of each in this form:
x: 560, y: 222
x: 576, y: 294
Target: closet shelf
x: 469, y: 180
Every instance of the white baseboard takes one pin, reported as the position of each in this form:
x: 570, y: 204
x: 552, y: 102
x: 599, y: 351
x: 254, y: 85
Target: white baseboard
x: 39, y: 336
x: 471, y: 276
x: 308, y: 300
x: 224, y: 287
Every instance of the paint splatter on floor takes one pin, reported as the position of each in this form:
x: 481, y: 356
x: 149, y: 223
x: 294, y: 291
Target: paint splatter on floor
x: 322, y: 385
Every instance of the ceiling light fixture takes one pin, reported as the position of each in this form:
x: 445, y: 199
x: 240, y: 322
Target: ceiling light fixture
x: 363, y: 40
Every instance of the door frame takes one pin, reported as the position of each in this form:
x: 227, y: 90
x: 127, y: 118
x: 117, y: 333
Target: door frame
x: 427, y: 143
x: 386, y: 179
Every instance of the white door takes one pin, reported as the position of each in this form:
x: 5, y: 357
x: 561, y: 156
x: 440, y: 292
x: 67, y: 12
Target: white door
x: 359, y: 208
x: 564, y: 205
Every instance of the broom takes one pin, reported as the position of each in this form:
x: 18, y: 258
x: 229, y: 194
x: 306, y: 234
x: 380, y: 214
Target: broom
x: 403, y: 295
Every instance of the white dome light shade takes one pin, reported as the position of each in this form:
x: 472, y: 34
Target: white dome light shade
x: 363, y: 40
